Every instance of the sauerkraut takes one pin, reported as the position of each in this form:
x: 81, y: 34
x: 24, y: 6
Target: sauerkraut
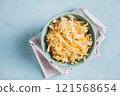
x: 68, y: 40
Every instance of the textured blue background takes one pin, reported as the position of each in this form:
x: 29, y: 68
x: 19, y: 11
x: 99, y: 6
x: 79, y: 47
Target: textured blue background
x: 20, y: 20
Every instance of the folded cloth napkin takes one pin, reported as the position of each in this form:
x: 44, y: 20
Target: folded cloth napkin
x: 51, y: 69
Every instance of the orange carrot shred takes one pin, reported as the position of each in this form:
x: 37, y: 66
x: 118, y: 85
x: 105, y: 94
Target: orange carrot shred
x: 53, y: 50
x: 55, y: 24
x: 62, y: 56
x: 48, y: 40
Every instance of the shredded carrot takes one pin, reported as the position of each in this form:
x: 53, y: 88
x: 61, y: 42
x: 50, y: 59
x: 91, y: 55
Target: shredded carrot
x: 56, y: 24
x: 53, y: 50
x: 48, y: 40
x: 72, y: 33
x: 86, y: 37
x: 62, y: 56
x: 78, y: 46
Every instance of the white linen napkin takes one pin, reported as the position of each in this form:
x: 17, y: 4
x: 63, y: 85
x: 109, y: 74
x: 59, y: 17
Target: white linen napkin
x: 51, y: 69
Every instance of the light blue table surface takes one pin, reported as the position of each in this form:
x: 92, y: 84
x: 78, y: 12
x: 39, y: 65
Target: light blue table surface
x: 20, y: 20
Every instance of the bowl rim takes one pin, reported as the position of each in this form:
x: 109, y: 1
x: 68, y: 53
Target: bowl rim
x: 58, y: 16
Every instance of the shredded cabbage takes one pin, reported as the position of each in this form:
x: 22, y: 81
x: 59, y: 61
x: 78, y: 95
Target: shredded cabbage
x: 68, y: 40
